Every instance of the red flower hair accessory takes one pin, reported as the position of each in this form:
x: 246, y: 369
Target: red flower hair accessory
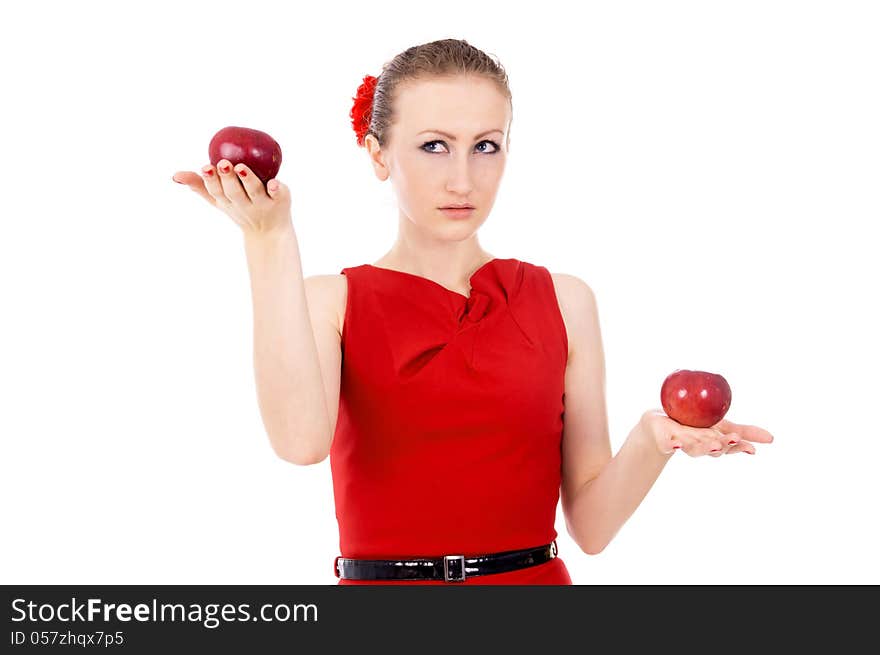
x: 362, y: 108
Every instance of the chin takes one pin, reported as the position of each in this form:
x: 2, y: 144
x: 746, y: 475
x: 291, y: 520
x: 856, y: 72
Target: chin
x: 461, y: 229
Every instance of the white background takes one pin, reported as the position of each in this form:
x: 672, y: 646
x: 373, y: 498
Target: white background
x: 709, y: 168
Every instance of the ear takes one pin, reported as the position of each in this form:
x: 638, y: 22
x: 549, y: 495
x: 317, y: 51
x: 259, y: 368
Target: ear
x: 377, y: 157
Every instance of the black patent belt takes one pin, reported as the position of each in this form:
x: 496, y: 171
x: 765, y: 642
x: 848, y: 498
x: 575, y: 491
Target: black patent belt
x: 449, y: 568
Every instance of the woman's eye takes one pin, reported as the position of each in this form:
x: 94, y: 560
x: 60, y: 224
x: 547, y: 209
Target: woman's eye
x: 429, y: 144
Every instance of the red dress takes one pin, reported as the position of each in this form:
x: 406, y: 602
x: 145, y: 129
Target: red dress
x: 449, y: 433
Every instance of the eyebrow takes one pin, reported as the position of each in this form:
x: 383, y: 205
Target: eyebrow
x: 452, y: 138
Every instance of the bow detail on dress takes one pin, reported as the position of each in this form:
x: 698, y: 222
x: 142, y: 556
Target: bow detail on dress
x: 422, y: 320
x: 475, y: 308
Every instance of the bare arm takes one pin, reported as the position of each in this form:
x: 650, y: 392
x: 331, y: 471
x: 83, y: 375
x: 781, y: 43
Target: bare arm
x: 297, y: 352
x: 601, y: 492
x: 290, y: 385
x: 600, y: 507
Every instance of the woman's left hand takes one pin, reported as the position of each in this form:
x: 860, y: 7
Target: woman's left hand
x: 723, y: 438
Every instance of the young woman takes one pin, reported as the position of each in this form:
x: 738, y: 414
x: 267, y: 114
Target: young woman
x: 457, y: 393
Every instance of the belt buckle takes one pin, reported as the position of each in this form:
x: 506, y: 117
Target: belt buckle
x: 453, y: 568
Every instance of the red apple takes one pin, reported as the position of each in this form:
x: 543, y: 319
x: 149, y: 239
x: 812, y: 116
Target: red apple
x: 242, y: 145
x: 695, y: 398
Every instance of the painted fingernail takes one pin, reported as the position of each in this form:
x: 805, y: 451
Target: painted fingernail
x: 676, y: 447
x: 242, y: 172
x: 730, y: 443
x: 207, y: 170
x: 224, y: 169
x: 715, y: 450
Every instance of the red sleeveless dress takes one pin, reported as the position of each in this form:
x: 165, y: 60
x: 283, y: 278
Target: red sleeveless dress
x: 448, y: 439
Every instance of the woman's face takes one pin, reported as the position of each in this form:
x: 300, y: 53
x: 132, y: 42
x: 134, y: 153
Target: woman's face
x: 463, y: 162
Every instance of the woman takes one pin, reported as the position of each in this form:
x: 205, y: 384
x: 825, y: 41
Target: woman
x: 457, y: 393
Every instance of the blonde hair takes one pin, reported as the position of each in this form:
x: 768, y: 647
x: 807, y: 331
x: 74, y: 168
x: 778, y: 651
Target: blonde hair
x: 443, y: 58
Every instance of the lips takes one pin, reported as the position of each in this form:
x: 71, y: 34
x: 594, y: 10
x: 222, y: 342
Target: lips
x: 458, y: 207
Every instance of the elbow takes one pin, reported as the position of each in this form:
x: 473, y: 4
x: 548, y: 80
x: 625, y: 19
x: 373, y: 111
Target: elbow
x: 303, y: 457
x: 592, y: 549
x: 587, y: 546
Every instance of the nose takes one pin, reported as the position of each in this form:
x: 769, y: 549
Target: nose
x: 459, y: 180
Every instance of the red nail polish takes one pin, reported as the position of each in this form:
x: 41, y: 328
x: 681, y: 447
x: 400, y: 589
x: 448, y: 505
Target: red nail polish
x: 730, y: 443
x: 209, y: 172
x: 676, y: 447
x: 225, y: 169
x: 715, y: 450
x: 242, y: 172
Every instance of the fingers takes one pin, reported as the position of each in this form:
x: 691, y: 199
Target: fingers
x: 194, y: 182
x: 748, y: 432
x: 217, y: 187
x: 754, y: 433
x: 733, y: 443
x: 742, y: 447
x: 253, y: 185
x: 697, y: 442
x: 215, y: 190
x: 232, y: 187
x: 684, y: 441
x: 254, y: 206
x: 218, y: 195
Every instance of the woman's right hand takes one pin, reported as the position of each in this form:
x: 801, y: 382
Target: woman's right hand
x: 241, y: 195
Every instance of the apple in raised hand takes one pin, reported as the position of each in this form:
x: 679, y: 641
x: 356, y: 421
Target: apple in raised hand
x: 698, y: 399
x: 253, y: 148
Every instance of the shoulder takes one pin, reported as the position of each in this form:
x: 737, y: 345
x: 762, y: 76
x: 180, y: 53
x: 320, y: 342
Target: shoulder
x: 571, y: 287
x: 577, y: 304
x: 326, y: 295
